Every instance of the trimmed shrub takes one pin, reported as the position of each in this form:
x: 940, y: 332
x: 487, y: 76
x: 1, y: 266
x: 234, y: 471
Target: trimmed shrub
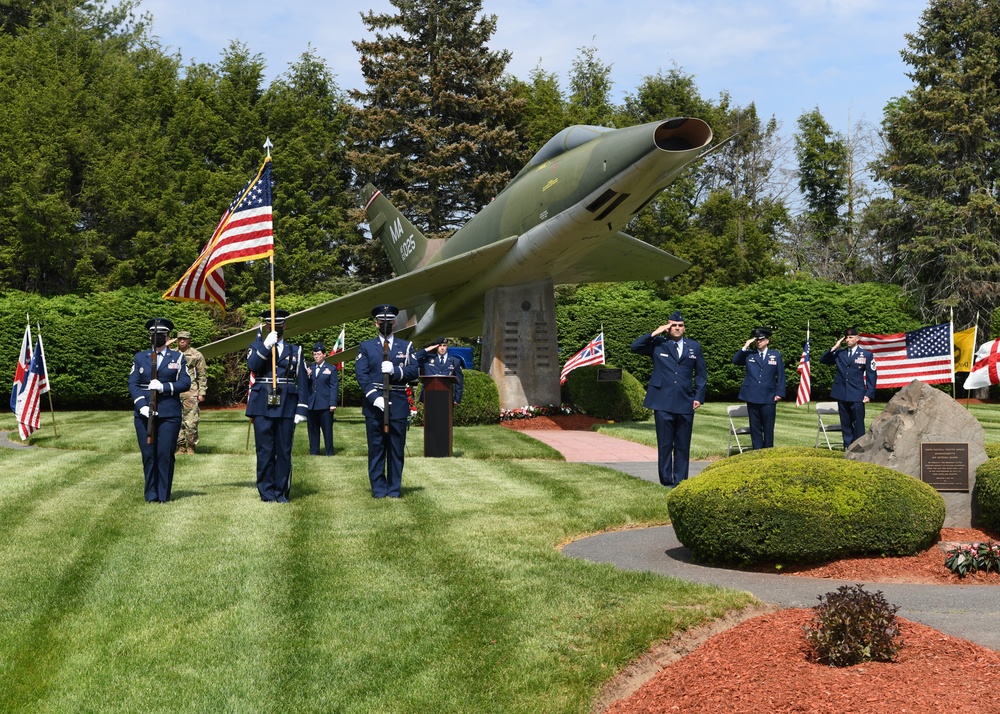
x: 992, y: 450
x: 617, y: 401
x: 803, y: 510
x: 988, y: 494
x: 777, y: 452
x: 480, y: 401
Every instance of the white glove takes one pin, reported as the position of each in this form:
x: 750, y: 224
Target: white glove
x: 387, y: 367
x: 379, y: 403
x: 155, y: 385
x: 299, y: 419
x: 271, y: 340
x: 144, y: 412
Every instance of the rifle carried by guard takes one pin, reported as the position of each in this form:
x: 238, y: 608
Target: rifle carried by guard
x: 151, y: 419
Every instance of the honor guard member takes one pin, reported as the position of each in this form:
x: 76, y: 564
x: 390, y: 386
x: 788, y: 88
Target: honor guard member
x: 191, y: 399
x: 276, y: 407
x: 159, y: 376
x: 435, y: 361
x: 853, y: 383
x: 323, y: 386
x: 390, y: 356
x: 763, y: 385
x: 677, y: 387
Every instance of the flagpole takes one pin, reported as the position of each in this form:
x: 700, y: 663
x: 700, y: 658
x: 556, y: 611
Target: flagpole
x: 951, y: 328
x: 274, y: 350
x: 45, y: 368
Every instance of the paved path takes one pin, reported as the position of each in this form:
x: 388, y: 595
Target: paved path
x: 971, y: 612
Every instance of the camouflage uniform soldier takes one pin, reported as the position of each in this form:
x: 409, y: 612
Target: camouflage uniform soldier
x: 190, y: 413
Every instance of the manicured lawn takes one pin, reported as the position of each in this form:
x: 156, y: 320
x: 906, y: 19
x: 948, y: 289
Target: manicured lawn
x: 453, y: 599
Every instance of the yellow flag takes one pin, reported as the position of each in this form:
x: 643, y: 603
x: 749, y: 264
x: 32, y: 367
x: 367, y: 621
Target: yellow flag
x: 965, y: 349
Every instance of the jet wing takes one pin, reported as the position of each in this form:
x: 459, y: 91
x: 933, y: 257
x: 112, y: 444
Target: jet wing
x: 408, y: 291
x: 621, y: 258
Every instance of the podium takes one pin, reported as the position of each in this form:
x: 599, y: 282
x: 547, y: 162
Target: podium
x: 437, y: 395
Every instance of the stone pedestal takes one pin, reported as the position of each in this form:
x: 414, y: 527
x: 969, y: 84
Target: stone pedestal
x: 920, y: 414
x: 520, y: 351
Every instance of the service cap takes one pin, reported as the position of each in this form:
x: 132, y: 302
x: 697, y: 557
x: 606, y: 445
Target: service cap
x: 279, y: 316
x: 159, y: 324
x: 760, y: 333
x: 183, y: 335
x: 318, y: 347
x: 676, y: 316
x: 851, y: 331
x: 385, y: 312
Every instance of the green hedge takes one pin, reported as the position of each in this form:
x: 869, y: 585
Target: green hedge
x: 777, y: 452
x: 617, y: 401
x: 988, y: 493
x: 480, y: 401
x: 803, y: 509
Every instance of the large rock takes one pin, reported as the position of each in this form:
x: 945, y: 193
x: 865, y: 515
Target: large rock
x: 917, y: 414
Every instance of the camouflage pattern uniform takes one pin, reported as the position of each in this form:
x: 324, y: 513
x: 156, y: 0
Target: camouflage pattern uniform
x: 187, y: 440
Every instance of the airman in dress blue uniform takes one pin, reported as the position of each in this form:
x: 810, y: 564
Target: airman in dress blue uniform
x: 392, y: 356
x: 677, y: 387
x: 763, y: 385
x: 277, y: 402
x: 853, y: 383
x: 435, y: 361
x: 324, y: 382
x: 165, y: 379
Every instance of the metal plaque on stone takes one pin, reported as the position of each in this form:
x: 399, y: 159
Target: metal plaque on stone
x: 945, y: 465
x: 609, y: 374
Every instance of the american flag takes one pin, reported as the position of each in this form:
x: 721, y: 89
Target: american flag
x: 245, y: 232
x: 805, y: 388
x: 593, y: 353
x: 29, y: 403
x: 925, y: 354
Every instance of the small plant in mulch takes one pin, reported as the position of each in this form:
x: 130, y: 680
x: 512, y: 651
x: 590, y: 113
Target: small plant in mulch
x: 851, y: 626
x: 973, y: 557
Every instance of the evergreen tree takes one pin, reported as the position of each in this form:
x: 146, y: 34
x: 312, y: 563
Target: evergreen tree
x: 435, y: 130
x: 942, y: 163
x: 590, y: 90
x: 545, y: 111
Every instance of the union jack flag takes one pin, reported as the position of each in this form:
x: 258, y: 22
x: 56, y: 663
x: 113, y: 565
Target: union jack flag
x: 593, y: 353
x: 21, y: 371
x: 245, y: 232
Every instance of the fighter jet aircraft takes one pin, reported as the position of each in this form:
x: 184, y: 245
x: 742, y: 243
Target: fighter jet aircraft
x: 560, y: 218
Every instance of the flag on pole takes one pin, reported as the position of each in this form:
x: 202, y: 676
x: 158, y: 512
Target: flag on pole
x: 925, y: 354
x: 245, y: 232
x: 29, y: 403
x: 804, y: 394
x: 593, y: 353
x: 965, y: 349
x: 21, y: 371
x: 45, y: 368
x: 984, y: 371
x: 339, y: 345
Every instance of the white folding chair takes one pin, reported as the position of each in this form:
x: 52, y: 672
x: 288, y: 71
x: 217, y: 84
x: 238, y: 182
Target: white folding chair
x: 832, y: 424
x: 737, y: 411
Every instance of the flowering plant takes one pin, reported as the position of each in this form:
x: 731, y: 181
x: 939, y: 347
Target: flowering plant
x: 972, y: 557
x: 528, y: 412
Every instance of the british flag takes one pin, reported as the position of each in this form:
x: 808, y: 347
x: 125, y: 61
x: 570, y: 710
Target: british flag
x: 593, y: 353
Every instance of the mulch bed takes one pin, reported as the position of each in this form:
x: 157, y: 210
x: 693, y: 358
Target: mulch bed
x: 567, y: 422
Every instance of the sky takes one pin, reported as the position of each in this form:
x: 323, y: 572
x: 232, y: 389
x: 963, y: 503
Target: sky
x: 787, y: 56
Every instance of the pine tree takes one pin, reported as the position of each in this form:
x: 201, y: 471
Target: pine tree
x: 942, y: 163
x: 435, y: 130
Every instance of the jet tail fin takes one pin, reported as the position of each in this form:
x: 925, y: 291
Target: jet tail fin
x: 407, y: 247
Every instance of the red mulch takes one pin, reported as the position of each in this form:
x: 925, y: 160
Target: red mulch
x: 568, y: 422
x: 764, y: 664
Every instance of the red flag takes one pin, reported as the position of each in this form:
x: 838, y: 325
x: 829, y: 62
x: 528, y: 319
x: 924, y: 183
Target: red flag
x: 23, y: 362
x: 244, y: 233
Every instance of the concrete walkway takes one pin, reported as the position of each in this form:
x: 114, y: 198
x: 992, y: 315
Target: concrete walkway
x: 971, y: 612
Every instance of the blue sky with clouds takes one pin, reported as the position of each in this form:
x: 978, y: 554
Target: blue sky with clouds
x: 788, y: 56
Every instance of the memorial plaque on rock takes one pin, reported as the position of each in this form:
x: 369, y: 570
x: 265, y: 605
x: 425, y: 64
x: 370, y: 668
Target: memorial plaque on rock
x: 945, y: 465
x: 609, y: 374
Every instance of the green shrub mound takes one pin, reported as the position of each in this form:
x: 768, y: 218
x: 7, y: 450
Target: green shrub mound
x: 617, y: 401
x: 777, y: 452
x: 803, y: 510
x: 988, y: 494
x: 992, y: 450
x: 480, y: 401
